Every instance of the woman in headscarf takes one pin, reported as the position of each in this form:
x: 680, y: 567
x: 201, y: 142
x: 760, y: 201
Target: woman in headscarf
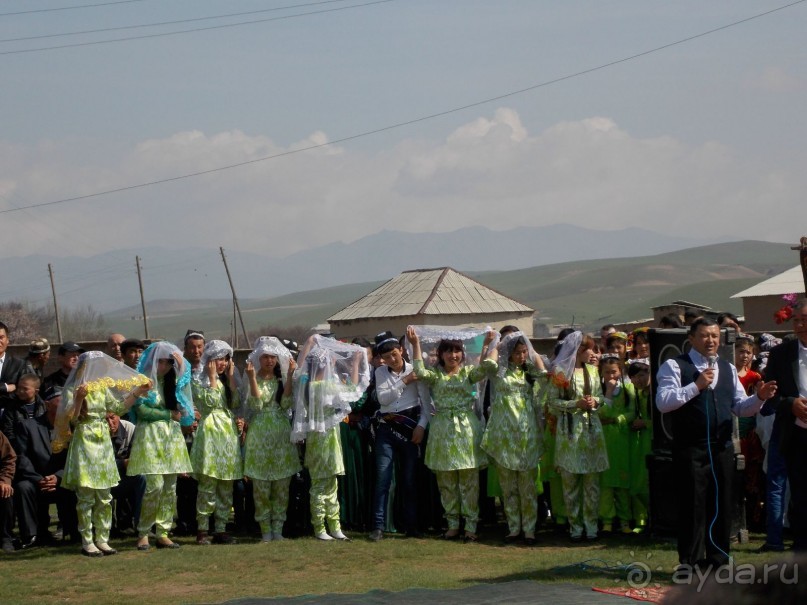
x: 453, y: 450
x: 216, y: 453
x: 97, y: 385
x: 270, y: 459
x: 331, y: 376
x: 513, y: 436
x: 158, y: 448
x: 575, y: 395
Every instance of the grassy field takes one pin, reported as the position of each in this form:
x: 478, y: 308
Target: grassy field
x: 199, y: 574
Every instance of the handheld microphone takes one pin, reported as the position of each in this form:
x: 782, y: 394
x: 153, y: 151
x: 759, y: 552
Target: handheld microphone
x: 712, y: 361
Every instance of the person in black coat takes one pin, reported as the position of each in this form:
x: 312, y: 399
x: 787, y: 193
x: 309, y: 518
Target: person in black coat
x: 37, y: 482
x: 787, y: 365
x: 11, y: 368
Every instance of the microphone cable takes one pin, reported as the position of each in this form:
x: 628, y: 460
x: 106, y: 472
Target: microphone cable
x: 712, y: 363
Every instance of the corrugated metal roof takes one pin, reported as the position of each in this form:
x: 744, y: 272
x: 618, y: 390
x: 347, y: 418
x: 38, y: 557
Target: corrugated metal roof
x: 432, y: 292
x: 788, y: 282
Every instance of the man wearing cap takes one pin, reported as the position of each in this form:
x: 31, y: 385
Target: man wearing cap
x: 37, y: 358
x: 39, y: 475
x: 194, y: 346
x: 131, y: 349
x: 113, y: 343
x: 402, y: 420
x: 11, y: 368
x: 68, y: 358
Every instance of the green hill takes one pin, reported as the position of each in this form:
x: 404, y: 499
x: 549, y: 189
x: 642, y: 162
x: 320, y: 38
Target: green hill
x: 592, y: 292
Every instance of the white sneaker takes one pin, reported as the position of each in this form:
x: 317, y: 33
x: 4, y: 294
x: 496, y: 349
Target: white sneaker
x: 338, y: 535
x: 323, y: 536
x: 278, y: 537
x: 267, y: 537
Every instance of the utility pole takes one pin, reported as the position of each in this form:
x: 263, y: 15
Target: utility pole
x: 55, y: 305
x: 142, y: 299
x: 235, y: 298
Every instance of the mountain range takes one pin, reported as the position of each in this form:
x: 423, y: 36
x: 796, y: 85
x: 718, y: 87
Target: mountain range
x: 108, y: 281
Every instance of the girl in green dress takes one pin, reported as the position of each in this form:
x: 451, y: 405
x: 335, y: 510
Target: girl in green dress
x: 616, y: 415
x: 331, y: 376
x: 513, y: 437
x: 454, y: 450
x: 158, y: 447
x: 216, y: 451
x: 270, y: 458
x: 97, y: 385
x: 575, y: 397
x: 641, y: 443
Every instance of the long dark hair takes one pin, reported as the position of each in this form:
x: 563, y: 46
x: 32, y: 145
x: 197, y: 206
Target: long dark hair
x: 170, y: 389
x: 224, y: 379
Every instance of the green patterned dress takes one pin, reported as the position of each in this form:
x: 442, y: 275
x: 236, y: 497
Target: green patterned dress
x: 579, y: 440
x: 455, y: 433
x: 512, y: 436
x: 158, y: 447
x: 90, y: 458
x: 269, y: 453
x: 215, y: 452
x: 323, y: 451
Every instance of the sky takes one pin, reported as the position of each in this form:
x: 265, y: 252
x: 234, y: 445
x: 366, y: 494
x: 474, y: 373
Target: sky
x: 701, y: 139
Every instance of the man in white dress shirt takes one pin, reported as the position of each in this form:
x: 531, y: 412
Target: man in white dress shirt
x: 700, y: 391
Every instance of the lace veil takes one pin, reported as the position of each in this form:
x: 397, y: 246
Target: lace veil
x: 148, y: 366
x: 99, y: 372
x: 330, y: 376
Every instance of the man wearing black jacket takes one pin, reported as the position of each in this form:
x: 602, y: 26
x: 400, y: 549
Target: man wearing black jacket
x: 11, y: 368
x: 38, y: 479
x: 787, y: 365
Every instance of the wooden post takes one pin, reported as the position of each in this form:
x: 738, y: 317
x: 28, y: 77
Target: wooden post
x: 142, y: 299
x: 235, y: 298
x: 55, y: 305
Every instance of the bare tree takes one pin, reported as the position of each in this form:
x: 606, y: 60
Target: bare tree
x: 25, y: 322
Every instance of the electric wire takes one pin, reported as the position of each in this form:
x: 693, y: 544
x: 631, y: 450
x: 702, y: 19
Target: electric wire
x: 197, y: 29
x: 398, y: 125
x: 67, y: 8
x: 176, y: 22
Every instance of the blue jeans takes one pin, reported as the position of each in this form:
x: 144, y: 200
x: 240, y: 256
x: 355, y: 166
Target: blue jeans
x: 387, y: 447
x: 775, y: 494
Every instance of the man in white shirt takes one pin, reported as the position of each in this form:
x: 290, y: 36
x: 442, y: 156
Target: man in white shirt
x: 700, y: 391
x: 402, y: 420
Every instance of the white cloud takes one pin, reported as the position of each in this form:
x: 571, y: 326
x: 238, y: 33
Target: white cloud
x: 490, y: 171
x: 776, y: 79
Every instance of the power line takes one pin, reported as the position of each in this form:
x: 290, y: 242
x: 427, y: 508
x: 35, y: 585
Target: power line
x: 409, y: 122
x: 67, y: 8
x: 197, y: 29
x: 157, y: 24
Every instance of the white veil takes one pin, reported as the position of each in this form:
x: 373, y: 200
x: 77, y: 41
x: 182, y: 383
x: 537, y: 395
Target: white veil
x: 99, y: 372
x: 471, y: 339
x: 330, y: 376
x: 506, y: 346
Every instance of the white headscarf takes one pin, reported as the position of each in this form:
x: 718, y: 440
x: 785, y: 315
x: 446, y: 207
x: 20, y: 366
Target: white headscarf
x: 325, y: 385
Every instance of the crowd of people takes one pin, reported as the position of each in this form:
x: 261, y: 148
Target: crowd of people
x: 416, y: 433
